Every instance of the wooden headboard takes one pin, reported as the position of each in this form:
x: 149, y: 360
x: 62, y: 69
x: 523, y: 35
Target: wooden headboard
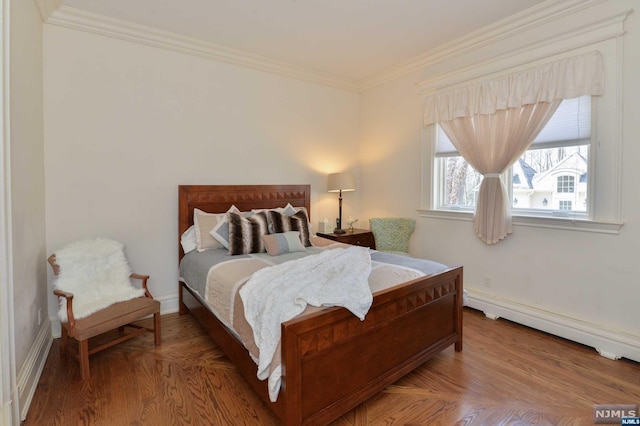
x: 218, y: 199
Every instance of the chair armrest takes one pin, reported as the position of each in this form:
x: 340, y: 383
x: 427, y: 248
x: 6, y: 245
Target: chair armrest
x: 64, y: 294
x: 54, y: 265
x: 144, y: 279
x: 71, y: 319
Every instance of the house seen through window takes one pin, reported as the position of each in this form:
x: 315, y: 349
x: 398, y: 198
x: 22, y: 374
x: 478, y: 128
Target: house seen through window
x: 551, y: 176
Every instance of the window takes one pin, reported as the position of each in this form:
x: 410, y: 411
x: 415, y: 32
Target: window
x: 551, y: 176
x: 564, y: 205
x: 565, y: 183
x: 600, y: 211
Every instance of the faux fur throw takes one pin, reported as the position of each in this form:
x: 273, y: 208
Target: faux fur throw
x: 96, y: 272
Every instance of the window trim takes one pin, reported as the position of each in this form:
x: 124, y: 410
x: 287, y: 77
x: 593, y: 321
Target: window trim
x: 571, y: 222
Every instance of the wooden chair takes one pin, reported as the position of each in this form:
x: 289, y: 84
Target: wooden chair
x: 392, y: 233
x: 117, y: 315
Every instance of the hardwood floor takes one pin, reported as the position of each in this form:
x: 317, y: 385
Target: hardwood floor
x: 506, y: 375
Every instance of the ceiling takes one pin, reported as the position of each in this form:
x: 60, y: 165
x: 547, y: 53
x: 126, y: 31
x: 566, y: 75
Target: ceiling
x: 352, y: 39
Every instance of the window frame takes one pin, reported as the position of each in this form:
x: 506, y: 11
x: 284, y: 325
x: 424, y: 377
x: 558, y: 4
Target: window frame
x: 439, y: 163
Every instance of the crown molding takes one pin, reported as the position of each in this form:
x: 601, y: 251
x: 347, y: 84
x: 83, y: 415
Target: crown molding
x: 520, y: 22
x: 47, y: 7
x: 54, y: 13
x: 77, y: 19
x: 587, y: 35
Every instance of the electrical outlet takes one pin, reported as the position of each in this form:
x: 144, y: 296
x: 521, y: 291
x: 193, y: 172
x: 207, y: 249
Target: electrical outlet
x: 487, y: 281
x: 40, y: 316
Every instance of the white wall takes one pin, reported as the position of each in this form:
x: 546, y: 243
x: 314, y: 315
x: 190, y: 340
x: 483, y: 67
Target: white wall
x: 32, y: 330
x: 587, y: 281
x: 127, y: 123
x: 27, y: 177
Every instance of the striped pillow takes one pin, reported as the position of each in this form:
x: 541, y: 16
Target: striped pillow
x: 298, y: 222
x: 245, y: 235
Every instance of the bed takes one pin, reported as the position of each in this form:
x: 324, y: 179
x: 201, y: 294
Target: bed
x: 331, y: 361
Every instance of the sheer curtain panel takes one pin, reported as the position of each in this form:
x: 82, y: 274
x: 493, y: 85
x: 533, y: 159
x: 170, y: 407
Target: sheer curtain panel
x: 493, y: 123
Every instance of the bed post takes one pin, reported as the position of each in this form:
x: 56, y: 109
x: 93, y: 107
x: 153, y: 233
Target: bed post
x: 291, y: 379
x: 182, y: 308
x: 459, y: 308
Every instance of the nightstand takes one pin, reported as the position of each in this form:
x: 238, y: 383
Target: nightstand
x: 357, y: 237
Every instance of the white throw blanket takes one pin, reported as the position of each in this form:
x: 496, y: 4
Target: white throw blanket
x: 277, y: 294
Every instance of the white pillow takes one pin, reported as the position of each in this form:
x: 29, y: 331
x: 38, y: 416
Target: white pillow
x: 289, y: 210
x: 188, y: 240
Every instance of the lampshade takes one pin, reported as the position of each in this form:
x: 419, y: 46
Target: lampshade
x: 341, y: 182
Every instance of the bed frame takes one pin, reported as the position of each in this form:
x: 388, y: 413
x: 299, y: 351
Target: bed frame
x: 332, y: 361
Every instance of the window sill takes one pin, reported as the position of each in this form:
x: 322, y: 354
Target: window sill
x: 571, y: 224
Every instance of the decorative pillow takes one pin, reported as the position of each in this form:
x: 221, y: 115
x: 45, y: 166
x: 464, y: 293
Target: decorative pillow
x: 289, y: 210
x: 188, y: 240
x: 286, y: 242
x: 245, y: 234
x: 278, y: 209
x: 203, y: 223
x: 297, y: 222
x: 220, y: 232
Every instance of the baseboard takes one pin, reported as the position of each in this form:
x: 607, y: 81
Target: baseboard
x: 609, y: 343
x: 31, y: 369
x: 168, y: 305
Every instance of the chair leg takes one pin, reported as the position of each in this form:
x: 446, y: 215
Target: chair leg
x: 65, y: 341
x: 83, y: 355
x: 156, y: 328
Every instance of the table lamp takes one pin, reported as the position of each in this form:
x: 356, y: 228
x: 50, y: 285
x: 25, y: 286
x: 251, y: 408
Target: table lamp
x: 339, y: 182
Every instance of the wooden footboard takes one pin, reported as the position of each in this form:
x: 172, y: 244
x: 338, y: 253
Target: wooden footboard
x: 332, y: 361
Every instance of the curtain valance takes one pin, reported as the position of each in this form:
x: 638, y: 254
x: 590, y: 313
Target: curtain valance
x: 564, y: 79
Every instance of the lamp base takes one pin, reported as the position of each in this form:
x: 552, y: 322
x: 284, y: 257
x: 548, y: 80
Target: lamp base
x: 339, y: 231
